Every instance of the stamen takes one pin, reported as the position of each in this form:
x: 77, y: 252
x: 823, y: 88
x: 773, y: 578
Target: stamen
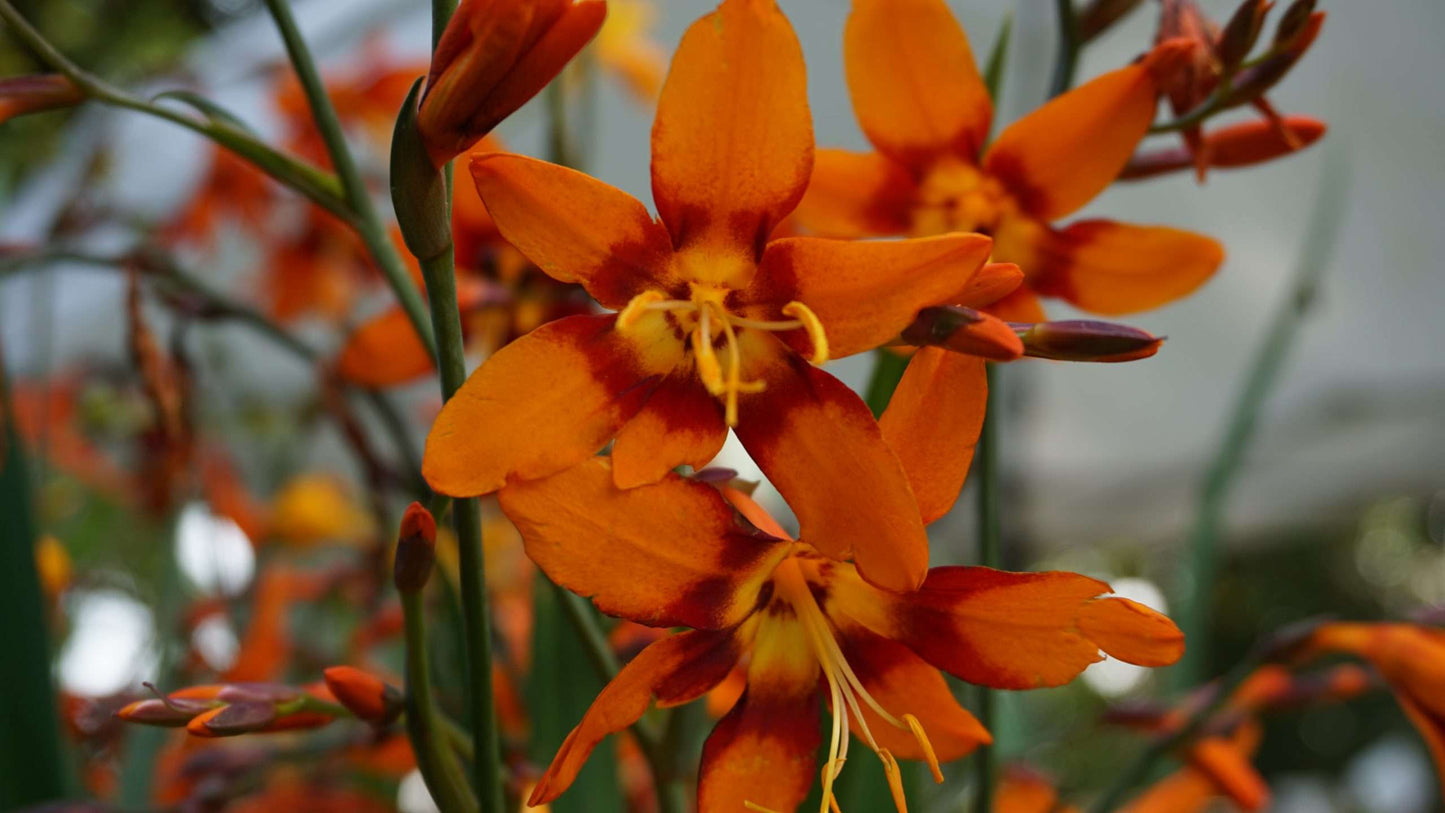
x: 735, y: 365
x: 895, y: 780
x: 814, y: 327
x: 928, y: 755
x: 708, y: 368
x: 629, y: 315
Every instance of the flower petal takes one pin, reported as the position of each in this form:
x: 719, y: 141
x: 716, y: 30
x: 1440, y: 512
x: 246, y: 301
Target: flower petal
x: 1131, y: 632
x: 674, y: 670
x: 681, y: 424
x: 903, y: 683
x: 765, y: 750
x: 864, y: 293
x: 574, y: 227
x: 383, y: 352
x: 578, y: 377
x: 669, y: 554
x: 856, y: 194
x: 915, y: 87
x: 991, y: 284
x: 1059, y: 157
x: 933, y: 422
x: 999, y: 629
x: 732, y: 146
x: 1020, y: 306
x: 1116, y: 268
x: 817, y: 442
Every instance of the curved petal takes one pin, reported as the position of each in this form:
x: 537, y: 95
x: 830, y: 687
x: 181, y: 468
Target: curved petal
x: 669, y: 554
x: 677, y: 669
x: 856, y: 194
x: 903, y: 683
x: 1059, y: 157
x: 999, y: 629
x: 992, y: 283
x: 681, y: 424
x: 574, y: 227
x: 732, y: 146
x: 1131, y: 632
x: 383, y: 352
x: 577, y: 377
x: 933, y: 422
x: 916, y: 90
x: 1020, y: 306
x: 765, y: 750
x: 1115, y: 268
x: 864, y: 293
x: 818, y: 443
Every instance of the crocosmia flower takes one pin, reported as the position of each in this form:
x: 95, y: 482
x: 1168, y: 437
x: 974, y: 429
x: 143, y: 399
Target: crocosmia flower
x: 718, y: 325
x: 922, y: 103
x: 809, y: 631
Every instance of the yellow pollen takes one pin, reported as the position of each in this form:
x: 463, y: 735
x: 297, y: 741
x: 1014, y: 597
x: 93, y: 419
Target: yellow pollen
x: 634, y: 310
x: 814, y: 328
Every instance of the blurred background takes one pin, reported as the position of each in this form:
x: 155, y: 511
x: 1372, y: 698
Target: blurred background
x: 1338, y: 508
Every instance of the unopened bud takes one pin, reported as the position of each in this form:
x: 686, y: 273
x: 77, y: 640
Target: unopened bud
x: 964, y: 330
x: 158, y: 712
x: 20, y: 95
x: 418, y: 188
x: 1100, y: 15
x: 365, y: 695
x: 1087, y: 340
x: 1253, y: 82
x: 1295, y: 20
x: 1237, y: 145
x: 1241, y: 33
x: 233, y: 720
x: 415, y: 549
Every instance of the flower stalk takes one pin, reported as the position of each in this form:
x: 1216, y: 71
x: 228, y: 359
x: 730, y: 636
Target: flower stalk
x: 985, y: 464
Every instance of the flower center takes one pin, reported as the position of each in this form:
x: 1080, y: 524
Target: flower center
x: 954, y: 196
x: 705, y: 319
x: 847, y: 694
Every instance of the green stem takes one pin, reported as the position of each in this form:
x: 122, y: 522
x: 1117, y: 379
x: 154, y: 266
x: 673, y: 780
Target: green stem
x: 985, y: 466
x: 888, y: 369
x: 1069, y: 45
x: 1197, y: 586
x: 429, y: 733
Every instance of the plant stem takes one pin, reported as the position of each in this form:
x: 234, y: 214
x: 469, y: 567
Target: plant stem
x: 429, y: 733
x: 1197, y: 587
x: 367, y: 222
x: 1069, y: 44
x: 888, y: 369
x: 985, y: 464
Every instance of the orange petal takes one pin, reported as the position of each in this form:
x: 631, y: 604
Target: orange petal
x: 681, y: 424
x: 856, y: 194
x: 1057, y: 158
x: 1184, y: 791
x: 903, y: 683
x: 1116, y: 268
x: 992, y: 283
x: 1131, y: 632
x: 764, y: 751
x: 577, y: 377
x: 732, y: 146
x: 916, y: 90
x: 574, y: 227
x: 383, y: 352
x: 864, y: 293
x: 933, y: 423
x: 817, y: 442
x: 1020, y: 306
x: 1231, y: 771
x: 668, y: 554
x: 677, y: 669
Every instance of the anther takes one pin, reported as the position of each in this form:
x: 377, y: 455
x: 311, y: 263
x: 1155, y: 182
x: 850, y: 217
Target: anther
x: 629, y: 315
x: 813, y: 326
x: 928, y: 755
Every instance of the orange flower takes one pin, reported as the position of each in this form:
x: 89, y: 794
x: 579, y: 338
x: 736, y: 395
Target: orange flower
x: 717, y: 322
x: 492, y: 58
x: 1025, y: 791
x: 682, y: 553
x: 925, y: 108
x: 231, y: 709
x: 233, y: 189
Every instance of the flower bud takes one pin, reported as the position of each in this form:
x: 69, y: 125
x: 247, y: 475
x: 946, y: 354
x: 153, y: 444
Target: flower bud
x: 1253, y: 82
x: 1100, y: 15
x: 494, y: 56
x: 364, y: 695
x: 415, y: 549
x: 20, y: 95
x: 1087, y: 340
x: 1231, y: 147
x: 233, y: 719
x: 1240, y: 34
x: 964, y: 330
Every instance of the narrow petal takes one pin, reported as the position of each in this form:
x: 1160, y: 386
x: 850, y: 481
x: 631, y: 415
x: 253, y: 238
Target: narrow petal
x: 856, y: 194
x: 903, y: 683
x: 732, y: 146
x: 577, y: 377
x: 383, y: 352
x: 765, y: 750
x: 995, y: 628
x: 1228, y: 766
x: 669, y: 554
x: 992, y: 283
x: 916, y: 89
x: 1131, y: 632
x: 1116, y: 268
x: 574, y: 227
x: 1059, y: 157
x: 674, y: 670
x: 817, y: 442
x: 1184, y: 791
x: 933, y: 423
x: 864, y: 293
x: 681, y: 424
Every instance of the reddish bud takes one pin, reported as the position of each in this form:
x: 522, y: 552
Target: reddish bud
x: 1241, y: 33
x: 1100, y: 15
x: 1254, y: 82
x: 20, y: 95
x: 162, y: 712
x: 964, y: 330
x: 363, y: 694
x: 1296, y: 20
x: 233, y: 719
x: 1087, y: 340
x: 492, y: 58
x: 415, y: 549
x: 1231, y: 147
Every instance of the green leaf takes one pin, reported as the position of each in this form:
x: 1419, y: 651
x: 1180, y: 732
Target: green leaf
x: 998, y: 58
x: 207, y: 108
x: 887, y: 372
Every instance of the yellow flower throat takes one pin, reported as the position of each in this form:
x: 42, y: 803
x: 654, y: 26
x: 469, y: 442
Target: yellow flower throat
x: 705, y: 318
